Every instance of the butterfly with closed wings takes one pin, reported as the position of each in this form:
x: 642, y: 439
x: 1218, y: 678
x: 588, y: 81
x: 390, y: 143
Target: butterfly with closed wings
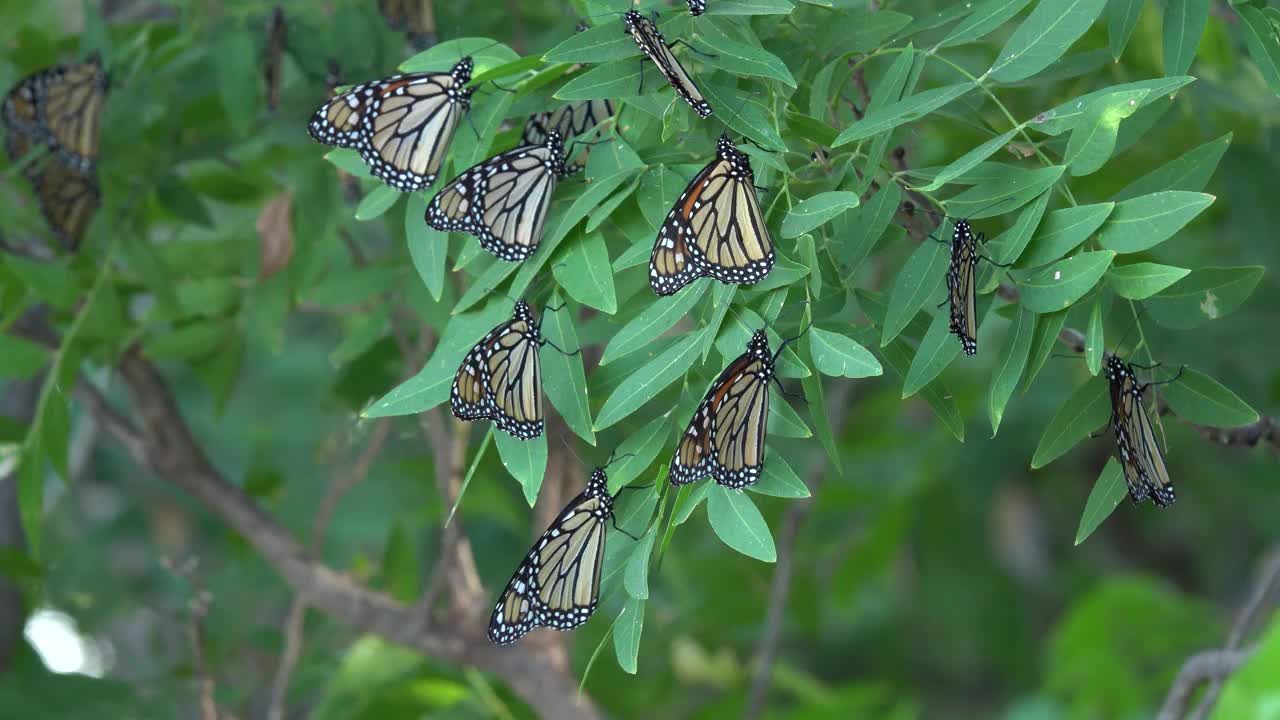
x: 725, y: 438
x: 557, y: 584
x: 715, y: 229
x: 962, y: 281
x: 503, y: 201
x: 1140, y: 456
x: 570, y: 121
x: 62, y: 107
x: 697, y: 7
x: 500, y: 379
x: 401, y: 125
x: 654, y: 45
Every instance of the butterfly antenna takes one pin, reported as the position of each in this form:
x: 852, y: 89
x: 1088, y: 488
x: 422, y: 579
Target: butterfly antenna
x: 1130, y: 329
x: 790, y: 340
x: 614, y: 457
x: 567, y: 446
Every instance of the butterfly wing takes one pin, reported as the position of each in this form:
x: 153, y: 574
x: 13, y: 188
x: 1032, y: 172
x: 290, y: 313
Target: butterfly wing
x: 557, y: 584
x: 725, y: 438
x: 500, y: 379
x: 410, y: 121
x: 651, y: 43
x: 569, y: 120
x: 503, y: 201
x: 338, y: 121
x: 69, y: 197
x: 70, y: 110
x: 960, y: 291
x: 718, y: 219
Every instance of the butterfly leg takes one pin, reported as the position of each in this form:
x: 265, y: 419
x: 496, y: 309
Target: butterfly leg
x: 641, y: 90
x: 561, y: 350
x: 1171, y: 380
x: 624, y: 532
x: 691, y: 48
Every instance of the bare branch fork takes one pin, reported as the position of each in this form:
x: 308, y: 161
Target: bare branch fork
x: 161, y: 441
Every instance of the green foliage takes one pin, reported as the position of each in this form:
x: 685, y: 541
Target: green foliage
x: 1108, y: 150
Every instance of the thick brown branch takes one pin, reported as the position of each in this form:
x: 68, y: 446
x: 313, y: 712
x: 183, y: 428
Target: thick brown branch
x: 1197, y: 670
x: 172, y: 453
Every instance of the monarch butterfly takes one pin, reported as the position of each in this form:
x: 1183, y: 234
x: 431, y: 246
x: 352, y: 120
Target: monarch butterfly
x: 500, y: 379
x: 61, y: 106
x: 503, y: 201
x: 651, y: 43
x: 401, y: 125
x: 725, y: 437
x: 557, y: 585
x: 697, y: 7
x: 961, y: 282
x: 1140, y: 457
x: 568, y: 120
x: 68, y: 198
x: 412, y: 17
x: 715, y: 230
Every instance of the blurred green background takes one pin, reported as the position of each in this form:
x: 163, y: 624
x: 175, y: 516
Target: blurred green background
x: 929, y: 578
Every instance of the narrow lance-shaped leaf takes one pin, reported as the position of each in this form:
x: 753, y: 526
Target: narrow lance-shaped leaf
x: 737, y: 521
x: 1184, y: 23
x: 1205, y: 294
x: 526, y: 460
x: 816, y: 211
x: 1142, y: 280
x: 1010, y: 366
x: 1144, y: 222
x: 918, y: 280
x: 1045, y: 36
x: 1108, y: 490
x: 1200, y: 399
x: 1058, y: 286
x: 1085, y: 411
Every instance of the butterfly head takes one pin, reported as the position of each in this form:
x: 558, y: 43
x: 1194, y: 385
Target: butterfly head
x: 728, y: 152
x: 462, y: 71
x: 758, y: 346
x: 697, y: 7
x: 555, y: 146
x: 633, y: 20
x: 523, y: 312
x: 1116, y: 369
x: 597, y: 484
x: 962, y: 233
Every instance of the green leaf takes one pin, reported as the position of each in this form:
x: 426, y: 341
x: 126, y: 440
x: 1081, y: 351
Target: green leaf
x: 737, y: 522
x: 563, y: 380
x: 430, y: 386
x: 1094, y: 341
x: 610, y: 81
x: 428, y: 247
x: 1108, y: 490
x: 974, y: 157
x: 586, y: 275
x: 1063, y: 231
x: 376, y: 202
x: 1094, y: 138
x: 816, y: 211
x: 1144, y: 222
x: 939, y: 399
x: 691, y: 502
x: 733, y: 338
x: 1206, y: 294
x: 658, y: 191
x: 745, y: 114
x: 1008, y: 247
x: 1184, y: 24
x: 739, y: 58
x: 808, y: 249
x: 1121, y: 20
x: 19, y: 358
x: 649, y: 380
x: 1065, y: 116
x: 636, y: 453
x: 841, y: 356
x: 750, y: 7
x: 1088, y: 408
x: 657, y: 318
x: 52, y: 281
x: 1058, y: 286
x: 918, y: 280
x: 1011, y: 364
x: 1142, y: 280
x: 1048, y: 327
x: 1187, y: 171
x: 1005, y: 194
x: 237, y: 74
x: 1043, y: 37
x: 599, y: 44
x: 784, y: 421
x: 1264, y: 48
x: 348, y: 161
x: 779, y: 480
x: 636, y: 579
x: 937, y: 350
x: 526, y: 460
x: 195, y: 340
x: 484, y: 285
x: 1202, y: 400
x: 902, y: 112
x: 626, y: 635
x: 985, y: 18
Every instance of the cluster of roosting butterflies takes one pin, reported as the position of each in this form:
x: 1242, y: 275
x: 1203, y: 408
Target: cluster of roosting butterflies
x: 402, y: 127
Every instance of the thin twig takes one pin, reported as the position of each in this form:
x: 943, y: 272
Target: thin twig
x: 1198, y: 669
x: 841, y: 398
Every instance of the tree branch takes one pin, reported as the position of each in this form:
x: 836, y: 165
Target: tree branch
x: 172, y: 453
x: 780, y: 588
x: 1198, y: 669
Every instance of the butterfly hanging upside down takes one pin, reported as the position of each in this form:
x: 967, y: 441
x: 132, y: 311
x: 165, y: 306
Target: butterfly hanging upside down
x: 653, y: 44
x: 1140, y: 456
x: 715, y: 229
x: 557, y: 584
x: 725, y: 438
